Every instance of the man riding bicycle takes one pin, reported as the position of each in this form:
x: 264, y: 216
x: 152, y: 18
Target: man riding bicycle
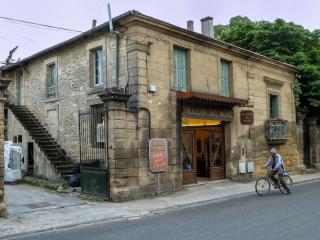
x: 276, y: 163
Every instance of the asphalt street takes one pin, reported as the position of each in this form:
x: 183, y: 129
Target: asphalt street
x: 275, y: 216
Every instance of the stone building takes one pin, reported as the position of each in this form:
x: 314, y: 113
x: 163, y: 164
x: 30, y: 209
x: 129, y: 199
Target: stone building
x: 3, y: 85
x: 220, y: 107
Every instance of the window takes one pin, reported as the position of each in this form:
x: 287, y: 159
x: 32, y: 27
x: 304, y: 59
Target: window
x: 224, y: 78
x: 273, y: 106
x: 97, y: 66
x: 180, y: 69
x: 51, y: 80
x: 98, y: 128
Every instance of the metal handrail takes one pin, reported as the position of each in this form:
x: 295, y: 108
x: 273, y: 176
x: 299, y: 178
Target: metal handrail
x: 12, y: 99
x: 41, y: 127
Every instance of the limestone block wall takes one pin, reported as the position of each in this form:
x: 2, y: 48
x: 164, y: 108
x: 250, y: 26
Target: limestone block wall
x: 3, y: 211
x: 252, y: 80
x: 314, y: 130
x: 74, y: 91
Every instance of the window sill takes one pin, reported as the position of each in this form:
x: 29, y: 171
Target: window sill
x: 96, y: 89
x: 52, y: 99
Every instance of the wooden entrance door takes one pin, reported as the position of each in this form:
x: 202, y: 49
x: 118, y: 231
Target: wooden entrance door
x: 189, y: 173
x: 216, y: 155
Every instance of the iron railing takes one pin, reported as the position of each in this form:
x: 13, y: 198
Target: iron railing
x: 276, y: 130
x: 12, y: 99
x: 92, y: 138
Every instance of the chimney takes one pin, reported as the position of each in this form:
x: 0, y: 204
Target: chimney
x: 190, y: 25
x: 94, y: 23
x: 207, y: 27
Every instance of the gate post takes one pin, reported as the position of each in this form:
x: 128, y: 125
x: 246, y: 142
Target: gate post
x: 3, y: 85
x: 300, y: 141
x: 314, y: 142
x: 121, y: 145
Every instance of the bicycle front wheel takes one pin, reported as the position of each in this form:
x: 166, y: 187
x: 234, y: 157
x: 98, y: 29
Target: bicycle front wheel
x: 262, y: 186
x: 288, y: 181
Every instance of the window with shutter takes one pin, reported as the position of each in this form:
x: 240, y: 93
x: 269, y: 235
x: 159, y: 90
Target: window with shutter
x: 180, y: 69
x: 273, y: 106
x: 51, y: 80
x: 224, y: 78
x: 97, y: 66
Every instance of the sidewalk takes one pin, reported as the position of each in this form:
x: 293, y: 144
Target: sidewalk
x: 35, y: 209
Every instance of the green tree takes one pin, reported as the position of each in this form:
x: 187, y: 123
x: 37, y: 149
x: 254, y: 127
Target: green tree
x: 9, y: 58
x: 283, y: 41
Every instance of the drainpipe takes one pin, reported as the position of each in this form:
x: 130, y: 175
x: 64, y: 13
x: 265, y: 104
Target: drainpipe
x: 117, y: 44
x: 117, y: 58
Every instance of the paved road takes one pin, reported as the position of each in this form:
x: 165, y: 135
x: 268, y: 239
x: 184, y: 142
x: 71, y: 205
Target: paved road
x: 275, y: 216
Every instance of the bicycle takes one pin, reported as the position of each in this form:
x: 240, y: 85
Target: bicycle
x: 263, y: 184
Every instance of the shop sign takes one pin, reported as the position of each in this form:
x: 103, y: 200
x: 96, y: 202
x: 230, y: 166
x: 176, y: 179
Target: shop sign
x: 247, y: 117
x: 222, y: 114
x: 158, y: 155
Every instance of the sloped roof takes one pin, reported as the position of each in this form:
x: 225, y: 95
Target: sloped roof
x: 232, y: 48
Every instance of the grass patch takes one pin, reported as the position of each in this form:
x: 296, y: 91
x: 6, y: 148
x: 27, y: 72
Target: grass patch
x: 91, y: 198
x: 44, y: 184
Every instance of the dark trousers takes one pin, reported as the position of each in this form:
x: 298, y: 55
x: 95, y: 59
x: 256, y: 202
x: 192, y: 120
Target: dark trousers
x: 283, y: 183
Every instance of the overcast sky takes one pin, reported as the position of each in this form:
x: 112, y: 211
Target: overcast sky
x: 78, y: 14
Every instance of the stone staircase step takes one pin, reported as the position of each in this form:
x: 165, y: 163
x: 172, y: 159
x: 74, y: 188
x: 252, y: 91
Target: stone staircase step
x: 54, y: 153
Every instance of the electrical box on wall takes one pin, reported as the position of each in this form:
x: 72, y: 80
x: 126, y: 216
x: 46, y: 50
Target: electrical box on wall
x: 152, y: 88
x: 242, y: 167
x: 250, y: 166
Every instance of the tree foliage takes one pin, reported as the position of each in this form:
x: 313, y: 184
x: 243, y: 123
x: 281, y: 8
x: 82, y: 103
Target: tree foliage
x: 283, y: 41
x: 9, y: 58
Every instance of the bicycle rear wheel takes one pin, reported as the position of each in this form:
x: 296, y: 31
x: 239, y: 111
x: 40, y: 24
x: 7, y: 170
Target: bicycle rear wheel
x: 288, y: 180
x: 262, y: 186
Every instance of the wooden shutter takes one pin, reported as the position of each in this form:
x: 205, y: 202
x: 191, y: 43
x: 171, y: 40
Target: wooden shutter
x: 180, y: 69
x: 274, y: 106
x: 224, y: 78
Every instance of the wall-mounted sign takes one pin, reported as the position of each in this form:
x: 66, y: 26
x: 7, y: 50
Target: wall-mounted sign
x: 247, y: 117
x: 223, y: 114
x: 158, y: 155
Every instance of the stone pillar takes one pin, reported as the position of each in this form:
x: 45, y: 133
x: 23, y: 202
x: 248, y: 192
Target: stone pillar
x: 121, y: 146
x: 3, y: 85
x: 300, y: 143
x: 314, y: 133
x: 137, y: 69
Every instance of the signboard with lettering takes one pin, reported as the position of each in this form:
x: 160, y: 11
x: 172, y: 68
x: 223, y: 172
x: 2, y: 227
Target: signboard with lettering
x: 158, y: 155
x: 247, y: 117
x: 208, y: 112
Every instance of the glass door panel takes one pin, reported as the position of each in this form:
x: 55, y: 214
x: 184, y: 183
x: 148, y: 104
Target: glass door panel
x: 188, y: 158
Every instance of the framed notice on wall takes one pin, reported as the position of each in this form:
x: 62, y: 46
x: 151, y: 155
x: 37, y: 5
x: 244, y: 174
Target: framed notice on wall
x: 158, y: 155
x: 247, y: 117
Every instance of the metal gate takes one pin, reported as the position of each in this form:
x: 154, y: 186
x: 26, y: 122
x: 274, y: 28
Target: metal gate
x: 93, y: 151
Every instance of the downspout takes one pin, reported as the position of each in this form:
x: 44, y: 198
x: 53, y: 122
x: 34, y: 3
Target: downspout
x: 117, y: 44
x: 117, y: 58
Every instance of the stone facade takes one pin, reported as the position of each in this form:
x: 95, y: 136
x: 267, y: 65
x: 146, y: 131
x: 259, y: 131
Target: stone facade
x: 3, y: 85
x: 314, y: 133
x: 146, y: 58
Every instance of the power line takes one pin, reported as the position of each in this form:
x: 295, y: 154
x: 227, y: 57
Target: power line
x: 39, y: 24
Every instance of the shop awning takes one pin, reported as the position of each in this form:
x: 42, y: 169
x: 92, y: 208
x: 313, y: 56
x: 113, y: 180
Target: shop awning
x: 210, y: 100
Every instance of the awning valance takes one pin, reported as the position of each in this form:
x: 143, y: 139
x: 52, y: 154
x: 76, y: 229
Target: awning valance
x: 210, y: 100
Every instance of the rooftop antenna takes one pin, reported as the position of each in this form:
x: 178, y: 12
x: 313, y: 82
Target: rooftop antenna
x: 110, y: 18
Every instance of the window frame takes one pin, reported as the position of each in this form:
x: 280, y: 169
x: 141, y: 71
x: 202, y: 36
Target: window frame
x: 277, y: 97
x: 51, y: 79
x: 93, y: 70
x: 229, y: 80
x: 176, y: 86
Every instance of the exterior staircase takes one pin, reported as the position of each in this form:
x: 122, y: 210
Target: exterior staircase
x: 47, y: 144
